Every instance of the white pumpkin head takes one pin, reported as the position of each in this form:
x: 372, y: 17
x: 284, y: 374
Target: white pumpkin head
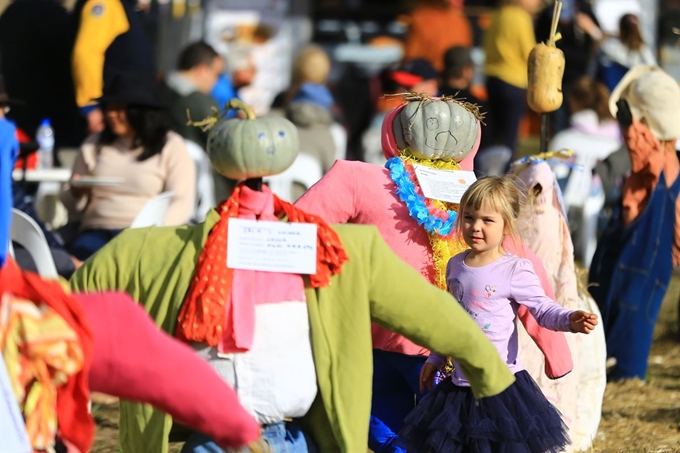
x: 436, y: 129
x: 253, y: 147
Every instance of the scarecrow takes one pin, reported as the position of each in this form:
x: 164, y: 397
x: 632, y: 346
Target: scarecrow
x: 56, y: 347
x: 440, y: 135
x: 297, y: 349
x: 640, y: 247
x: 578, y: 395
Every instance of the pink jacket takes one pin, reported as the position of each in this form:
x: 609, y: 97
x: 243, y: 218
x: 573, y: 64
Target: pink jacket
x: 357, y: 192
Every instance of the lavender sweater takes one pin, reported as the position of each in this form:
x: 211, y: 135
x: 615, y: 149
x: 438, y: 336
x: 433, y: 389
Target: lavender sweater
x: 491, y: 294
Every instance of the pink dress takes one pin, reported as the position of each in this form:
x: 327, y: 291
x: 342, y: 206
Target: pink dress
x: 578, y: 395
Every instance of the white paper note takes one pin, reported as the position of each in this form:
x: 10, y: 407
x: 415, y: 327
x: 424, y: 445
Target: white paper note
x: 272, y: 246
x: 13, y: 437
x: 444, y: 185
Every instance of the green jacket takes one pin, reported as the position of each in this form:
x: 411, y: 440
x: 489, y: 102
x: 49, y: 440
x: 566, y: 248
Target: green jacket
x: 155, y: 266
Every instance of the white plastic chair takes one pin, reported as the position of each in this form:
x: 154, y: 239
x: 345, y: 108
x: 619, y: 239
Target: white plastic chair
x: 26, y: 232
x: 340, y: 140
x: 153, y: 213
x: 305, y: 171
x: 205, y: 184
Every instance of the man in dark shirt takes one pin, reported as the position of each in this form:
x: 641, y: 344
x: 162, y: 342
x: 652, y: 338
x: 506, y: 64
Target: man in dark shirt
x: 188, y: 89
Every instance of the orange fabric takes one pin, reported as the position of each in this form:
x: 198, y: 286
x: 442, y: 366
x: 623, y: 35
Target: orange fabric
x: 205, y: 316
x: 649, y: 158
x: 432, y: 31
x: 75, y: 424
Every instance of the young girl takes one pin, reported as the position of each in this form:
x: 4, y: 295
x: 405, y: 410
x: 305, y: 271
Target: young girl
x: 490, y: 283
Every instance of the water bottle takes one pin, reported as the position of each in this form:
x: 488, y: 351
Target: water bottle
x: 45, y: 138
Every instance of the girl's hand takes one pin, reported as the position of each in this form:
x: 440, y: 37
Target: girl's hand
x: 427, y: 373
x: 582, y: 322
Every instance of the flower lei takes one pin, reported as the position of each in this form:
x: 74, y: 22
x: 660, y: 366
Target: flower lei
x: 437, y: 217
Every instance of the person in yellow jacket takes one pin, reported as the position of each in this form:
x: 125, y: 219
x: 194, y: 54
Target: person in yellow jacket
x: 507, y: 44
x: 110, y: 39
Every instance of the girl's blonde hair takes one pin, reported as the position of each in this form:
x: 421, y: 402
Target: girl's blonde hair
x: 498, y: 193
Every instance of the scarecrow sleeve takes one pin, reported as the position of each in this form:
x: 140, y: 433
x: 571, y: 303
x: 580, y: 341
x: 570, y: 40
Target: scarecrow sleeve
x: 113, y: 268
x: 333, y: 198
x: 136, y: 361
x: 101, y: 22
x: 437, y: 321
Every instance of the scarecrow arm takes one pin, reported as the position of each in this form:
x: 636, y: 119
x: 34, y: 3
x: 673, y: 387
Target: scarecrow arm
x: 437, y: 321
x: 135, y: 360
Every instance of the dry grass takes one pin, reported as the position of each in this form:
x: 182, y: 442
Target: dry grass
x: 645, y: 417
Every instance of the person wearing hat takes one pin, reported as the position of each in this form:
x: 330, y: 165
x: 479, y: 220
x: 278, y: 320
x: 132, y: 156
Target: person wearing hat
x: 416, y: 76
x: 136, y: 149
x: 640, y: 247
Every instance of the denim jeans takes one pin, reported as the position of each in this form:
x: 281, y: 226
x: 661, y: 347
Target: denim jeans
x: 89, y: 242
x: 396, y: 380
x: 282, y: 437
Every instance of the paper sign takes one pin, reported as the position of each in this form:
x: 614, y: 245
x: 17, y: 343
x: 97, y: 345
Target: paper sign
x: 13, y: 437
x: 444, y: 185
x: 272, y: 246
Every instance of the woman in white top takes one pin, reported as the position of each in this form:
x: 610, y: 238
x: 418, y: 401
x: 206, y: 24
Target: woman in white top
x: 141, y: 158
x: 619, y: 53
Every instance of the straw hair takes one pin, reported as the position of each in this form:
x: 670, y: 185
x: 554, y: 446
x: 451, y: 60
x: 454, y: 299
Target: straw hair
x: 499, y: 194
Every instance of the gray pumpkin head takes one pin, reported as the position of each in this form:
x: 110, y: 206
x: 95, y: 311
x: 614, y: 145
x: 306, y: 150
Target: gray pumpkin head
x: 437, y: 130
x: 253, y: 147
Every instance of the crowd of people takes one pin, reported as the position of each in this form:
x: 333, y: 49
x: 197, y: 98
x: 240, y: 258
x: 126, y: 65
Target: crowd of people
x: 430, y: 322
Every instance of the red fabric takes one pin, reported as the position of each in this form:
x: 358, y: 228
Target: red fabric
x: 32, y: 163
x: 204, y: 316
x: 75, y: 424
x: 136, y: 361
x: 250, y: 288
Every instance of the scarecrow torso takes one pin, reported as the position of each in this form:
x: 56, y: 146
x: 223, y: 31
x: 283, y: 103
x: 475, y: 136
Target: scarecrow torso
x: 276, y: 378
x: 365, y: 194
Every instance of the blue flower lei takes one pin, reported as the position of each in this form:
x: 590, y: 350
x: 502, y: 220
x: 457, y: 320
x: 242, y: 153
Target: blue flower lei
x: 415, y: 202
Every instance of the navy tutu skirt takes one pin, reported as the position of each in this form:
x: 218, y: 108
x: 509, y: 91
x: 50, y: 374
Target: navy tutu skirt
x: 518, y: 420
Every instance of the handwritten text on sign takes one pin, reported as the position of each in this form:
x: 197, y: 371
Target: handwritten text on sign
x: 444, y: 185
x: 272, y: 246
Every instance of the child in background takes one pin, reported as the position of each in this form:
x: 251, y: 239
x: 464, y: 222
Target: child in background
x: 490, y: 283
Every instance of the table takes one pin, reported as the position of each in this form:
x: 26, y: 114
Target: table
x: 60, y: 175
x: 47, y: 204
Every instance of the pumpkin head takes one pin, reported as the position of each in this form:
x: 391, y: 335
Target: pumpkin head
x: 252, y: 147
x: 435, y: 129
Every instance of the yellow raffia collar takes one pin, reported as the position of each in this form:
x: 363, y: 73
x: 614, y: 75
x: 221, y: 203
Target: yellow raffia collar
x: 443, y: 248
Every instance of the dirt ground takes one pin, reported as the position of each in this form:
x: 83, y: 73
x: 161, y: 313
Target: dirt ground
x: 636, y: 417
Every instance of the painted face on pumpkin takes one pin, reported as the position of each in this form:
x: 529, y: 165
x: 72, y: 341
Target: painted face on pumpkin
x: 436, y: 129
x: 253, y: 148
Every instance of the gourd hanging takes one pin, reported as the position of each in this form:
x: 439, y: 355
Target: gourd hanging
x: 546, y: 68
